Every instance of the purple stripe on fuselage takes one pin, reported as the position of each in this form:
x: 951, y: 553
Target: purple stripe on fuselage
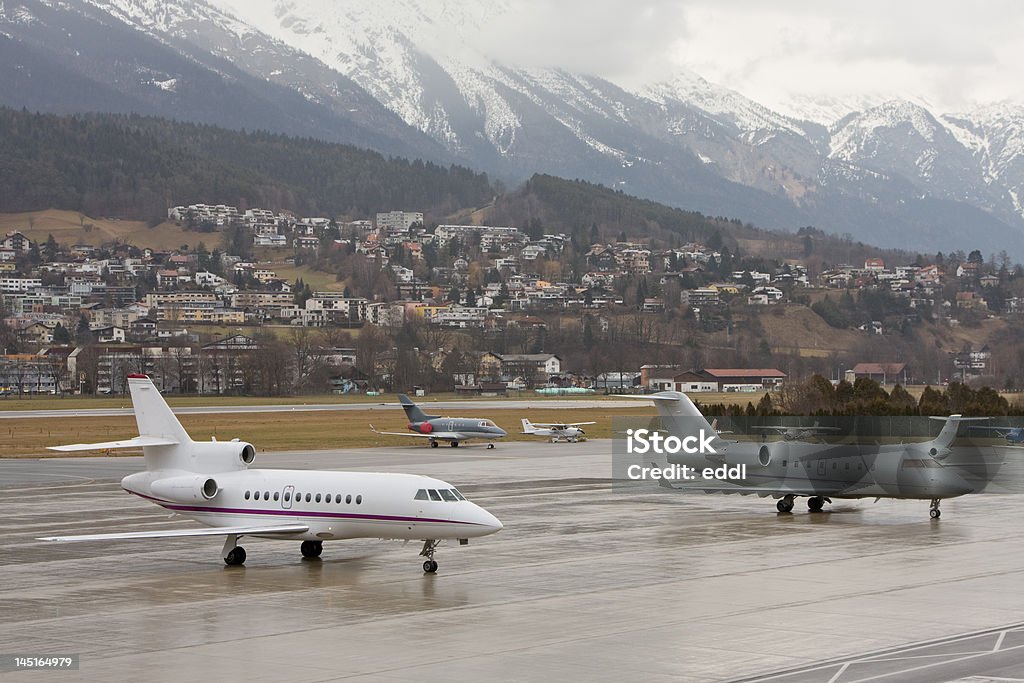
x: 294, y: 513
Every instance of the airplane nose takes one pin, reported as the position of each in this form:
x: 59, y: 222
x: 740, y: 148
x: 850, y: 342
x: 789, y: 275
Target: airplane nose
x: 502, y: 432
x: 487, y: 520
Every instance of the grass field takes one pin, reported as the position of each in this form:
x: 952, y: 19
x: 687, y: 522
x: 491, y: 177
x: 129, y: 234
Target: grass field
x: 299, y: 430
x: 70, y: 227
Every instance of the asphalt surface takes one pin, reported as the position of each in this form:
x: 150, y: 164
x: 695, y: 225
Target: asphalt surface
x: 584, y: 583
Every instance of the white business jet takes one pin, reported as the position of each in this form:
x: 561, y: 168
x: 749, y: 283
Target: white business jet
x: 211, y: 483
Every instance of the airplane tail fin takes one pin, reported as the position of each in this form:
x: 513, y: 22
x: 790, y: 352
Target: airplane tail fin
x: 676, y: 404
x: 527, y: 427
x: 948, y: 433
x: 164, y: 442
x: 412, y: 411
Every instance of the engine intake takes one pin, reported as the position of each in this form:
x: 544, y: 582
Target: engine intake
x: 186, y: 489
x: 248, y: 454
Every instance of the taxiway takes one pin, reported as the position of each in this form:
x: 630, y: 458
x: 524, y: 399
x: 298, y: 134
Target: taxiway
x: 585, y: 582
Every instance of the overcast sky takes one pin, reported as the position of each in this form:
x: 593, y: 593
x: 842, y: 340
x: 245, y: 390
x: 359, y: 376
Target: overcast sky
x: 947, y: 54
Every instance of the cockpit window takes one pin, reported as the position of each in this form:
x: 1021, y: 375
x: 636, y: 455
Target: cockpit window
x: 422, y: 495
x: 448, y: 495
x: 458, y: 495
x: 434, y: 495
x: 486, y: 423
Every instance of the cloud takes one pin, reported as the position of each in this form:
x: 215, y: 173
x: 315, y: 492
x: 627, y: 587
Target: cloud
x: 941, y: 51
x: 610, y: 38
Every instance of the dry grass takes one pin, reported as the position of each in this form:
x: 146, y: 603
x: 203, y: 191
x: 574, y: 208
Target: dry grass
x: 279, y: 431
x: 69, y: 228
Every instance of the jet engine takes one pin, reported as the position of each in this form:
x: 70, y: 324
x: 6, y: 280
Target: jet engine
x: 248, y: 454
x: 186, y: 489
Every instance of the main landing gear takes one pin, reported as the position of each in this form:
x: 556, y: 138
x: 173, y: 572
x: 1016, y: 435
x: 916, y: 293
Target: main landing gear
x: 312, y: 549
x: 935, y: 512
x: 490, y: 446
x: 454, y: 444
x: 233, y: 554
x: 429, y: 546
x: 814, y: 503
x: 433, y: 444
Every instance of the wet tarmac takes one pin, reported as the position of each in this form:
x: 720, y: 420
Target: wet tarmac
x: 584, y: 583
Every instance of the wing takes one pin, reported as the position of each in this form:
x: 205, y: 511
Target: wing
x: 561, y: 425
x: 175, y: 533
x: 137, y: 442
x: 1000, y: 431
x: 443, y: 436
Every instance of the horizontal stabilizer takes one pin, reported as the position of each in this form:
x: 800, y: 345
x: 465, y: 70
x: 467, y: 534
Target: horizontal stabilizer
x: 137, y: 442
x: 175, y: 533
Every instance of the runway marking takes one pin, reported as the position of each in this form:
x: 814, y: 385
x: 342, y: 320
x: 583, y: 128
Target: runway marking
x: 883, y: 656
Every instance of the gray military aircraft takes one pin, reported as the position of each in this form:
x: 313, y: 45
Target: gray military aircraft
x: 454, y: 430
x: 789, y: 469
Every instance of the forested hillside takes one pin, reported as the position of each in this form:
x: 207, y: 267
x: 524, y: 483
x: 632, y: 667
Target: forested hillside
x: 135, y: 167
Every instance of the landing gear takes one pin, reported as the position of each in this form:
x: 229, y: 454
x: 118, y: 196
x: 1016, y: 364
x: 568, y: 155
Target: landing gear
x: 454, y: 444
x: 235, y: 557
x: 785, y: 504
x: 312, y: 549
x: 429, y: 546
x: 490, y: 446
x: 815, y: 503
x: 935, y: 512
x: 233, y: 554
x: 433, y: 444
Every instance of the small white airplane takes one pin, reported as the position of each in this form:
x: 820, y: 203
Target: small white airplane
x: 556, y: 431
x: 210, y: 482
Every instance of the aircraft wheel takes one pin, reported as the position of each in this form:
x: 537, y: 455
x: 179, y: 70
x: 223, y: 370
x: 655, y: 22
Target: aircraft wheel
x: 490, y: 445
x: 455, y: 444
x: 430, y: 567
x: 312, y: 548
x: 935, y: 513
x: 236, y: 557
x: 815, y: 503
x: 433, y: 444
x: 784, y: 506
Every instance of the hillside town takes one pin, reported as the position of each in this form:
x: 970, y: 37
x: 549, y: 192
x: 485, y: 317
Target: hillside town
x: 79, y: 318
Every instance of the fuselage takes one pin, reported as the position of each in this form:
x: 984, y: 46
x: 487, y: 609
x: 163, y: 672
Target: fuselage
x: 458, y: 428
x: 335, y: 505
x: 834, y: 470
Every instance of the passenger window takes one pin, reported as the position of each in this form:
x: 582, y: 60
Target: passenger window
x: 359, y: 500
x: 247, y: 495
x: 266, y: 495
x: 348, y: 499
x: 287, y: 496
x: 458, y: 495
x: 785, y: 462
x: 420, y: 495
x: 860, y: 466
x: 276, y: 495
x: 835, y: 465
x: 448, y: 495
x: 337, y: 499
x: 847, y: 465
x: 309, y: 497
x: 434, y: 495
x: 318, y: 497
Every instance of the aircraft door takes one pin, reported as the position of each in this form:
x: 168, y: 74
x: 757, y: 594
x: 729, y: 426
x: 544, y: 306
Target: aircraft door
x: 821, y: 467
x: 286, y: 499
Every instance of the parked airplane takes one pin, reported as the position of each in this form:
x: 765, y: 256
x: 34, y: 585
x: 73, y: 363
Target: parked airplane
x: 454, y: 430
x: 786, y: 470
x: 211, y: 483
x: 797, y: 433
x: 569, y: 431
x: 1011, y: 434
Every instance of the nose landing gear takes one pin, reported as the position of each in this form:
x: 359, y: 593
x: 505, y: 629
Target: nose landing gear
x: 429, y: 565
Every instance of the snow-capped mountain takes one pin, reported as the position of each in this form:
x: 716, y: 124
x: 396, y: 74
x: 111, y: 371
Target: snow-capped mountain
x: 416, y: 77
